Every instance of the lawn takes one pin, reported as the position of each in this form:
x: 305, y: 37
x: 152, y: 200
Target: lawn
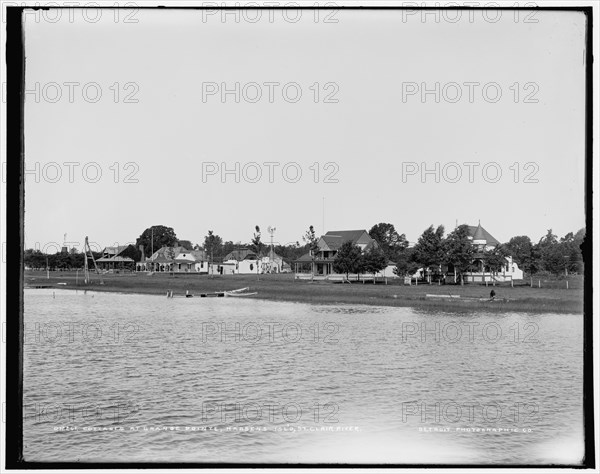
x: 553, y: 296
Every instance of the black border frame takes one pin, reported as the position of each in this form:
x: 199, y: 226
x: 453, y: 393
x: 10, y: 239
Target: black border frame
x: 15, y: 208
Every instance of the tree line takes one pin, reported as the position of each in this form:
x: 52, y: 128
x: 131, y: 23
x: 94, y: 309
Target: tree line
x: 434, y: 252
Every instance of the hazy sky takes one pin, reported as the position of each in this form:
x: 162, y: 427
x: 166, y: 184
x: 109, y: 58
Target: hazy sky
x: 368, y: 125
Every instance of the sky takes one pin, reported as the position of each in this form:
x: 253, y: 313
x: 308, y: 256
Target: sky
x: 126, y: 126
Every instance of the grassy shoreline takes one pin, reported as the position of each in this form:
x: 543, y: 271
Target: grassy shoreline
x: 283, y: 287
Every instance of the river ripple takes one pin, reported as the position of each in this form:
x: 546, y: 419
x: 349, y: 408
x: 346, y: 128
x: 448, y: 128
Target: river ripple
x: 146, y: 378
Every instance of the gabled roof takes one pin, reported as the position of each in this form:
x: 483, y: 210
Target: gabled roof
x: 345, y: 235
x: 115, y: 250
x: 241, y: 254
x: 166, y: 254
x: 272, y: 255
x: 306, y: 258
x: 114, y: 259
x: 191, y: 256
x: 479, y: 233
x: 334, y: 239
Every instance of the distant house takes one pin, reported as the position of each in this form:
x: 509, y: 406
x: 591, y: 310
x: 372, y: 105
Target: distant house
x: 175, y: 259
x: 483, y: 241
x: 242, y: 261
x: 328, y: 246
x: 272, y: 263
x: 389, y: 271
x: 118, y: 257
x: 190, y: 261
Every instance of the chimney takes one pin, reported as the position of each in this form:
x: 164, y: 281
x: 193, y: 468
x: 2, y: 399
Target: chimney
x: 143, y: 255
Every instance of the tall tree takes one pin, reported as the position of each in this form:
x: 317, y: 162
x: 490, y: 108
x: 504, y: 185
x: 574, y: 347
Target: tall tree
x: 186, y: 244
x: 213, y: 244
x: 519, y: 248
x: 551, y: 253
x: 495, y: 258
x: 406, y: 264
x: 228, y: 247
x: 373, y: 261
x: 311, y: 240
x: 155, y: 237
x: 257, y: 246
x: 348, y: 259
x: 388, y: 239
x: 429, y: 250
x: 458, y: 250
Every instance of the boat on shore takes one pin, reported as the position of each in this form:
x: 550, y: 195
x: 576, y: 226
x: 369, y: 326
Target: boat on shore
x: 465, y: 298
x: 240, y: 292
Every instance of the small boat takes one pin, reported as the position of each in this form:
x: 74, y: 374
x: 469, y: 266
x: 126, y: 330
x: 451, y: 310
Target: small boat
x: 231, y: 293
x: 442, y: 296
x: 213, y: 294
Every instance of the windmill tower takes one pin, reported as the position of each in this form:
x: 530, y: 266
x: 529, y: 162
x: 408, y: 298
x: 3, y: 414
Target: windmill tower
x: 87, y: 254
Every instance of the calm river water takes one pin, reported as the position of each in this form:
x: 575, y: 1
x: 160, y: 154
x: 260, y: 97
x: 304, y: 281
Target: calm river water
x: 112, y: 377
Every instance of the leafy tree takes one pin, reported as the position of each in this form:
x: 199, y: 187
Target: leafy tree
x: 548, y: 240
x: 155, y: 237
x: 228, y: 247
x: 388, y: 239
x: 405, y: 263
x: 551, y: 254
x: 572, y: 251
x: 34, y: 259
x: 458, y: 250
x: 131, y: 252
x: 311, y: 240
x: 429, y: 250
x: 213, y: 244
x: 373, y: 261
x: 186, y: 244
x: 257, y: 246
x: 290, y: 252
x: 495, y: 258
x: 348, y: 259
x: 520, y: 249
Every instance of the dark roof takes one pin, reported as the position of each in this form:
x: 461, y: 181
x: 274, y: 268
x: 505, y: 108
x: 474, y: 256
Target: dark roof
x: 241, y: 254
x: 346, y: 235
x: 196, y: 255
x: 335, y: 238
x: 115, y: 250
x: 306, y: 258
x: 479, y: 233
x: 114, y: 259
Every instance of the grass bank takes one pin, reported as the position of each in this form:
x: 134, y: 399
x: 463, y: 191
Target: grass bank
x: 552, y: 297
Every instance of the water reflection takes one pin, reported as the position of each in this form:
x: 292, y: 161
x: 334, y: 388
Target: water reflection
x: 154, y: 379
